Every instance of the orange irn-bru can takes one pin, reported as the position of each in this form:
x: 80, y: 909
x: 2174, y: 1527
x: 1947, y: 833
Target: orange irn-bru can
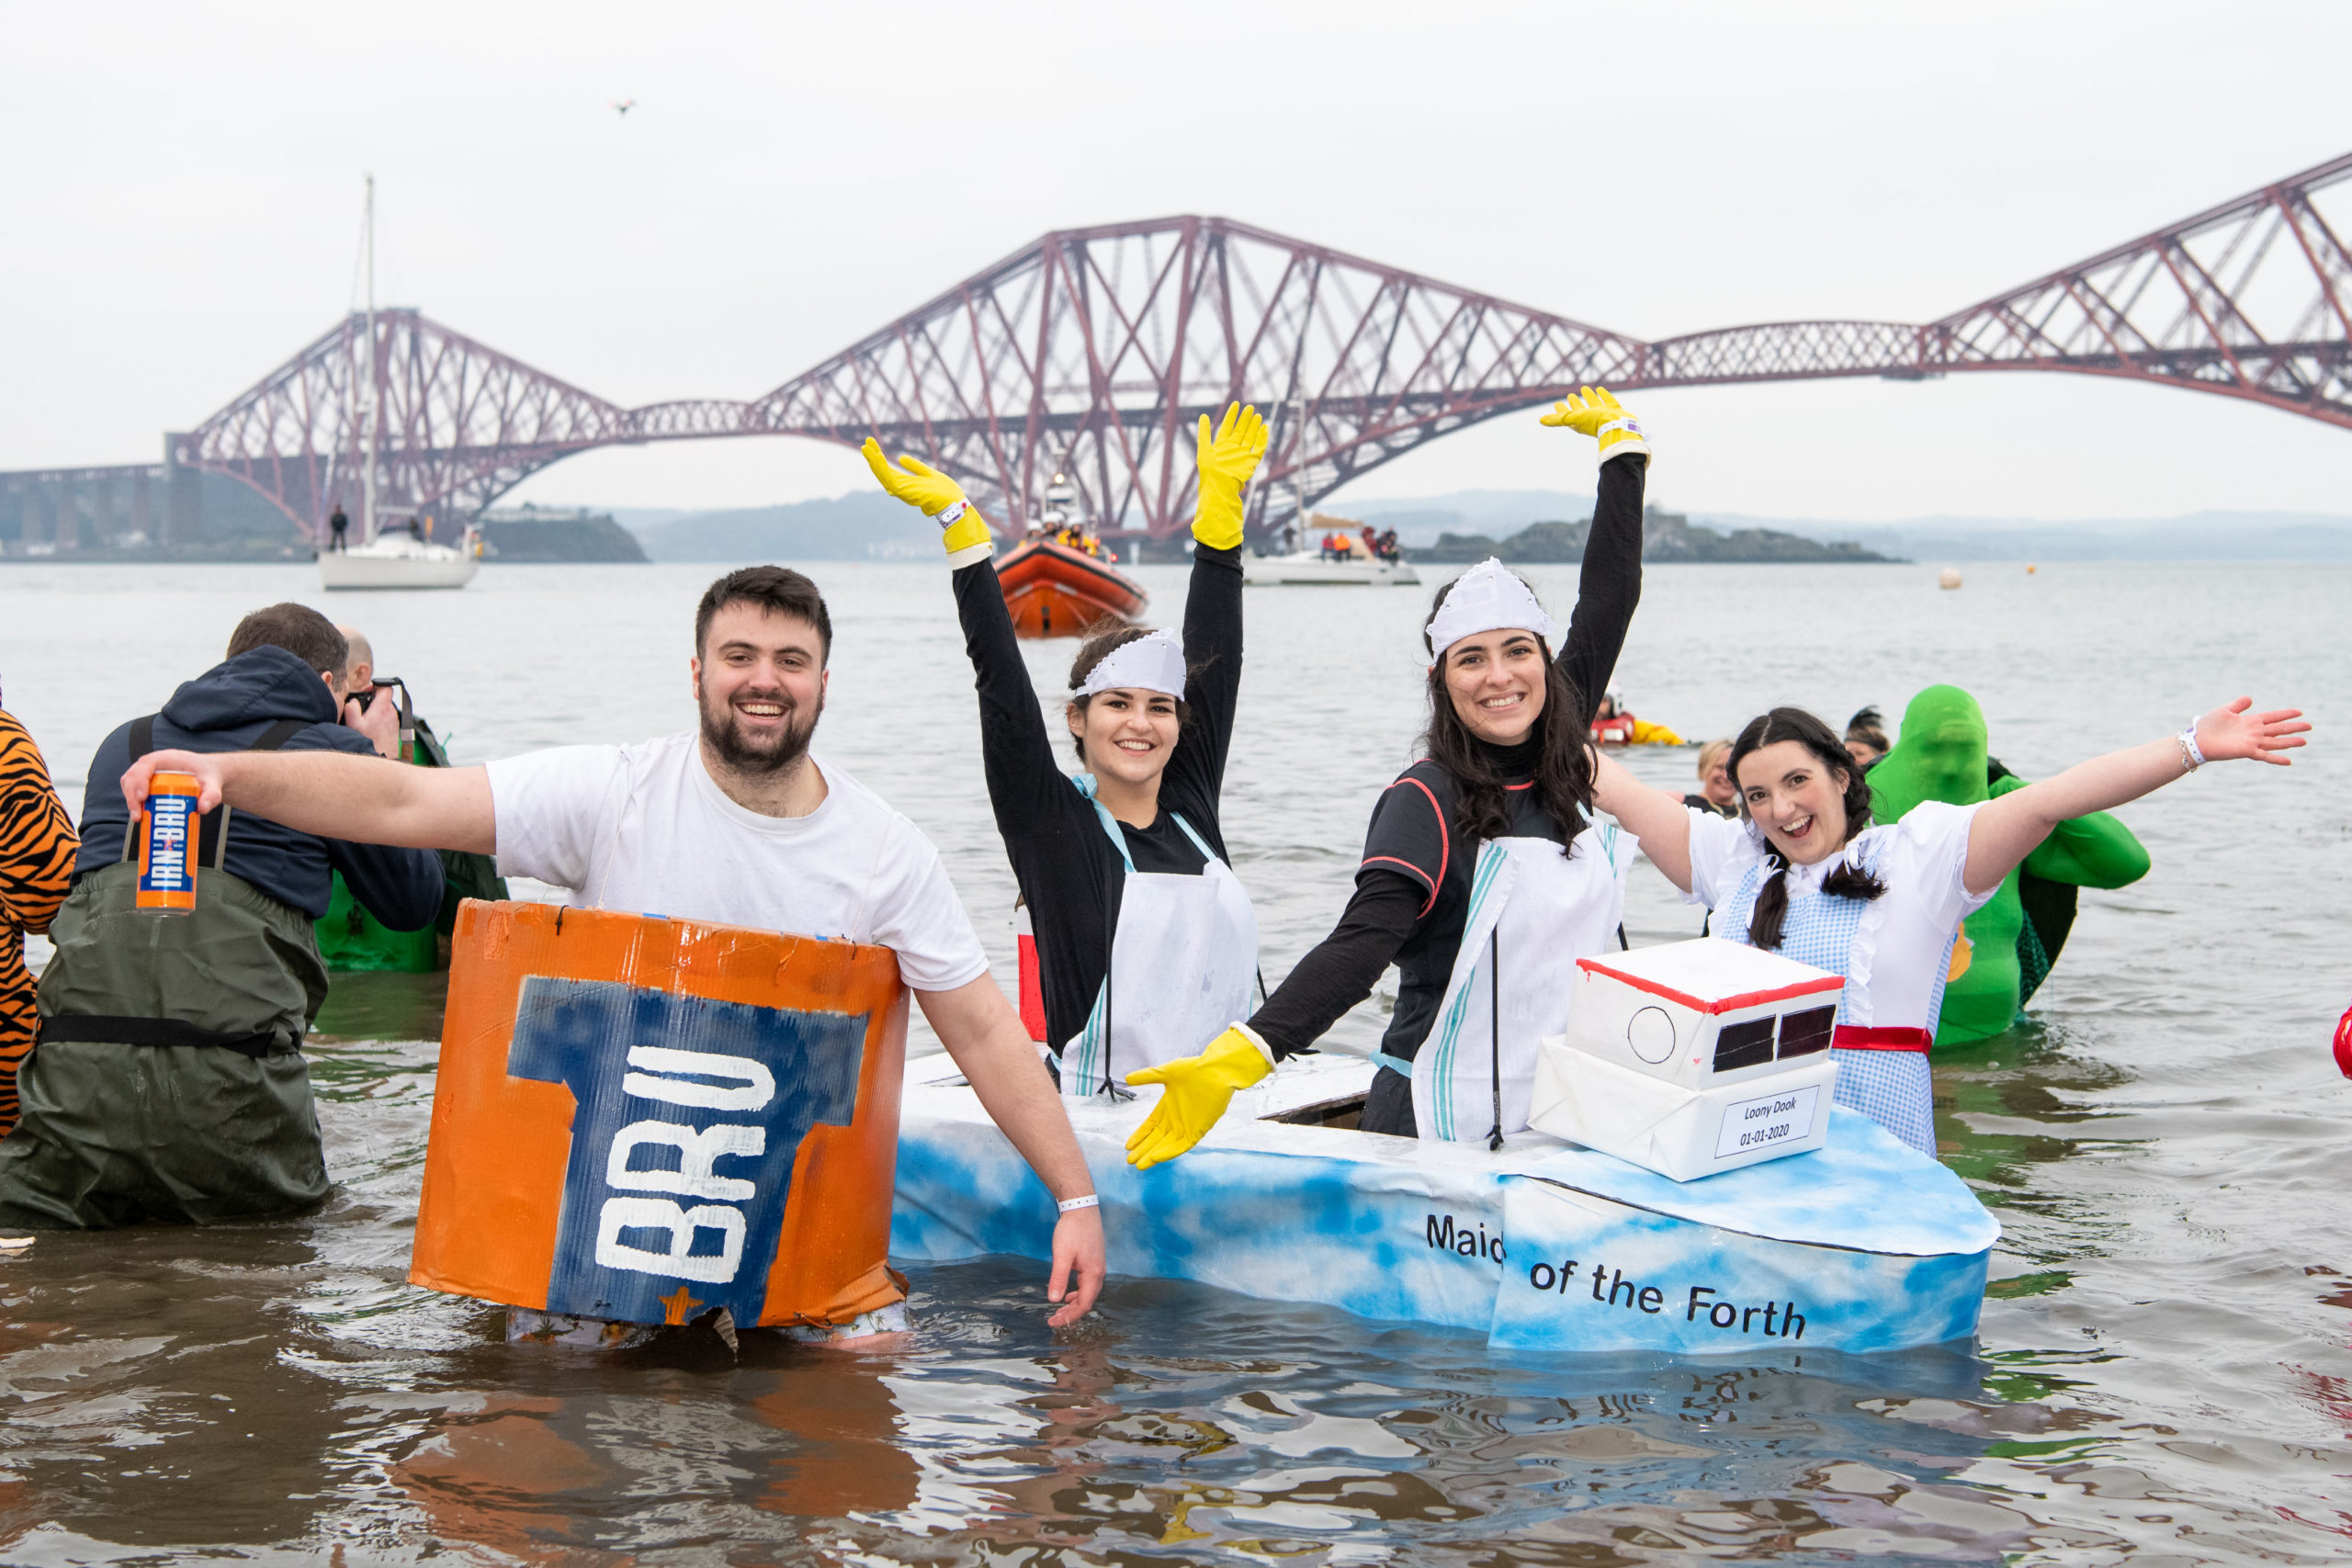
x: 167, y: 838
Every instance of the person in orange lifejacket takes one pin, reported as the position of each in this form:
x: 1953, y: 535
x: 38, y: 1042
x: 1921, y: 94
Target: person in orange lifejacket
x: 1612, y: 726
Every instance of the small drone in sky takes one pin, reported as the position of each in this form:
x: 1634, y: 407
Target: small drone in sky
x: 624, y: 106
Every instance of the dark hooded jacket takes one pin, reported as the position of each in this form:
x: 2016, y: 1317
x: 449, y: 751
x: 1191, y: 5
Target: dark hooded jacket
x: 228, y: 708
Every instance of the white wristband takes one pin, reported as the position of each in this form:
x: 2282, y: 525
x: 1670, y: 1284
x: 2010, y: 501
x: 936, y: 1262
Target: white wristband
x: 1072, y: 1205
x: 1625, y: 424
x: 2190, y: 752
x: 951, y: 514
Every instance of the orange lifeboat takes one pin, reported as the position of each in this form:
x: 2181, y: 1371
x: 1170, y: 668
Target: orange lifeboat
x: 1054, y: 591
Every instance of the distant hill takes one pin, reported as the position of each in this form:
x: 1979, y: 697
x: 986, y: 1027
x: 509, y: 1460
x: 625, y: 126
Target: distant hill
x: 862, y: 525
x: 1666, y: 537
x: 866, y: 525
x: 527, y: 532
x: 2199, y: 536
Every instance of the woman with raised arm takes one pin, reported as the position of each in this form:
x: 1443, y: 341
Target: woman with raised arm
x: 1482, y: 880
x: 1803, y: 872
x: 1146, y: 940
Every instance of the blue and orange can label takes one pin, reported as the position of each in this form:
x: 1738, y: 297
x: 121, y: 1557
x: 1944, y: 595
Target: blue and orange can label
x: 640, y: 1120
x: 167, y: 840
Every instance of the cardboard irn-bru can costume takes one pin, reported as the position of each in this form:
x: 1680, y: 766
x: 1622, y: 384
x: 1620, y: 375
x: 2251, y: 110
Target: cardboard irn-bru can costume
x: 642, y: 1120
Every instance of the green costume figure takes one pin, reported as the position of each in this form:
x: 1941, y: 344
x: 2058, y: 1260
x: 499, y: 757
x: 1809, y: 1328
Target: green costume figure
x: 2013, y: 941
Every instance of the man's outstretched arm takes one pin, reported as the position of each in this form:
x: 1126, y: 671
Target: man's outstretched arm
x: 336, y: 795
x: 984, y: 1035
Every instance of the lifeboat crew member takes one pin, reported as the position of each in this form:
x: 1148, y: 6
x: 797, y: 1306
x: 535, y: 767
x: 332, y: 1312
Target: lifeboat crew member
x: 1482, y: 879
x: 168, y: 1082
x: 1146, y: 941
x: 1806, y: 873
x: 1613, y: 725
x: 736, y: 821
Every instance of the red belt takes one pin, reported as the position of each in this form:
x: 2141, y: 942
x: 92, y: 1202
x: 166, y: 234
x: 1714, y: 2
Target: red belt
x: 1850, y: 1038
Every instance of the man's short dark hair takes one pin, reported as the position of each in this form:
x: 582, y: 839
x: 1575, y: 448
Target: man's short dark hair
x: 773, y: 587
x: 299, y: 630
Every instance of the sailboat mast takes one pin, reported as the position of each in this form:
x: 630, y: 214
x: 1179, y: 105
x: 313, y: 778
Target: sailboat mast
x: 367, y: 473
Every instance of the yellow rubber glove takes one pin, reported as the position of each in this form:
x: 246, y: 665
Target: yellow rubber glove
x: 1226, y: 461
x: 1199, y: 1088
x: 919, y: 484
x: 1595, y: 413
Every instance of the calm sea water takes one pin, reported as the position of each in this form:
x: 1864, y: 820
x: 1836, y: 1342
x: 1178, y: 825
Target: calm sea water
x: 2163, y: 1374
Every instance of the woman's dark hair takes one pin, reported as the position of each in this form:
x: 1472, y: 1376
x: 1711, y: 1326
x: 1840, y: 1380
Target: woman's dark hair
x: 1563, y: 761
x: 1869, y: 726
x: 1845, y: 879
x: 1098, y: 647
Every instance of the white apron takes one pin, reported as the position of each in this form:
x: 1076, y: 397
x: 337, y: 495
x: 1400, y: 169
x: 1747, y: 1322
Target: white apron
x: 1183, y: 958
x: 1534, y: 912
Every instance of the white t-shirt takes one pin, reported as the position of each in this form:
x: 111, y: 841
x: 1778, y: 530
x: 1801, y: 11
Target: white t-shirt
x: 1902, y: 948
x: 644, y: 828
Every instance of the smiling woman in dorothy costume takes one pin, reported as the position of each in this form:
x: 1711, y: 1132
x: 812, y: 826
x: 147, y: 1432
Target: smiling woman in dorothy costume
x: 1482, y: 880
x: 1145, y: 940
x: 1802, y: 872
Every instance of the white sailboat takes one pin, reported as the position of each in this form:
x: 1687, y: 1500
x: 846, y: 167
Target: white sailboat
x: 402, y: 559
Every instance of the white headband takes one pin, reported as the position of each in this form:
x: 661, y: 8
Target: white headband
x: 1489, y: 597
x: 1153, y: 662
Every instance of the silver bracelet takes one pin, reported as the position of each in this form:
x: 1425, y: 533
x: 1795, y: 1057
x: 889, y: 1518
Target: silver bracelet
x: 2191, y: 758
x: 1072, y: 1205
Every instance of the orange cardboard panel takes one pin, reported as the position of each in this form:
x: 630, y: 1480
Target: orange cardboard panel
x: 642, y: 1119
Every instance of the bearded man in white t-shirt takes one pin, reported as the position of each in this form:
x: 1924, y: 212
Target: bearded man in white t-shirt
x: 738, y: 823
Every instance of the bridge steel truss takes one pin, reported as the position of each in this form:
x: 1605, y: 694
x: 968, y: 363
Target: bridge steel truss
x: 1092, y: 351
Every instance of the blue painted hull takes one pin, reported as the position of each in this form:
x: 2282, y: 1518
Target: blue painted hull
x: 1864, y: 1247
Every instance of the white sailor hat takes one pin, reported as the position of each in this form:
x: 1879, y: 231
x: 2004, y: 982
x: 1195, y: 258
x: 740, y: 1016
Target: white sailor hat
x: 1489, y: 597
x: 1153, y: 662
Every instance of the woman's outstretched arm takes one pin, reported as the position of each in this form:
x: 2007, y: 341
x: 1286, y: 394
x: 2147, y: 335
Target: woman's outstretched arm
x: 1026, y: 785
x: 1610, y: 585
x: 1226, y: 458
x: 1659, y: 820
x: 2007, y: 830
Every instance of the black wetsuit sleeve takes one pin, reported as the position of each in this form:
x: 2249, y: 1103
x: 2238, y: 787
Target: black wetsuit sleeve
x: 1341, y: 969
x: 1195, y: 776
x: 1611, y: 583
x: 1030, y: 793
x: 1407, y: 853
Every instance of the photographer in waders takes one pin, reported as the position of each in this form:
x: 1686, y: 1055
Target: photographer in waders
x: 167, y: 1082
x: 1147, y: 942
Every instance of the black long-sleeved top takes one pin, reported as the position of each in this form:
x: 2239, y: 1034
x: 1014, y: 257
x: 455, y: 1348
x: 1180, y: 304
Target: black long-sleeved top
x: 1070, y: 875
x: 1413, y: 888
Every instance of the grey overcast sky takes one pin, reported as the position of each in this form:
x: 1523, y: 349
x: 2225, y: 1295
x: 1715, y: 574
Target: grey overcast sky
x: 181, y: 185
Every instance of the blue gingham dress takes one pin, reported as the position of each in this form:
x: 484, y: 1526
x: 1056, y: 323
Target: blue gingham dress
x: 1894, y: 1088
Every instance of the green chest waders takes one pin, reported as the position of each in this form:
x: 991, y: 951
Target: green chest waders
x: 168, y: 1083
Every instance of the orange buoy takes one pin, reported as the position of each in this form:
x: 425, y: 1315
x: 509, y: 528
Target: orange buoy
x: 640, y: 1120
x: 1948, y: 578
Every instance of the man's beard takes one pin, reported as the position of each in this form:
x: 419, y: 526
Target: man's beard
x: 745, y: 756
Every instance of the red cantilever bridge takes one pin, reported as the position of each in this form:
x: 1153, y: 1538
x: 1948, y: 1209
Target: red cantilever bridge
x: 1092, y: 351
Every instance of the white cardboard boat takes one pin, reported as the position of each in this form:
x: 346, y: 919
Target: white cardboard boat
x: 1543, y: 1246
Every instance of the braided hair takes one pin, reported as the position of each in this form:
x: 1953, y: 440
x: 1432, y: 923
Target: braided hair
x: 1845, y: 879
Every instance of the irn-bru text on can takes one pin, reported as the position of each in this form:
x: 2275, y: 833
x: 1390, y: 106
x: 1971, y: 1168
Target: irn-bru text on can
x: 167, y: 840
